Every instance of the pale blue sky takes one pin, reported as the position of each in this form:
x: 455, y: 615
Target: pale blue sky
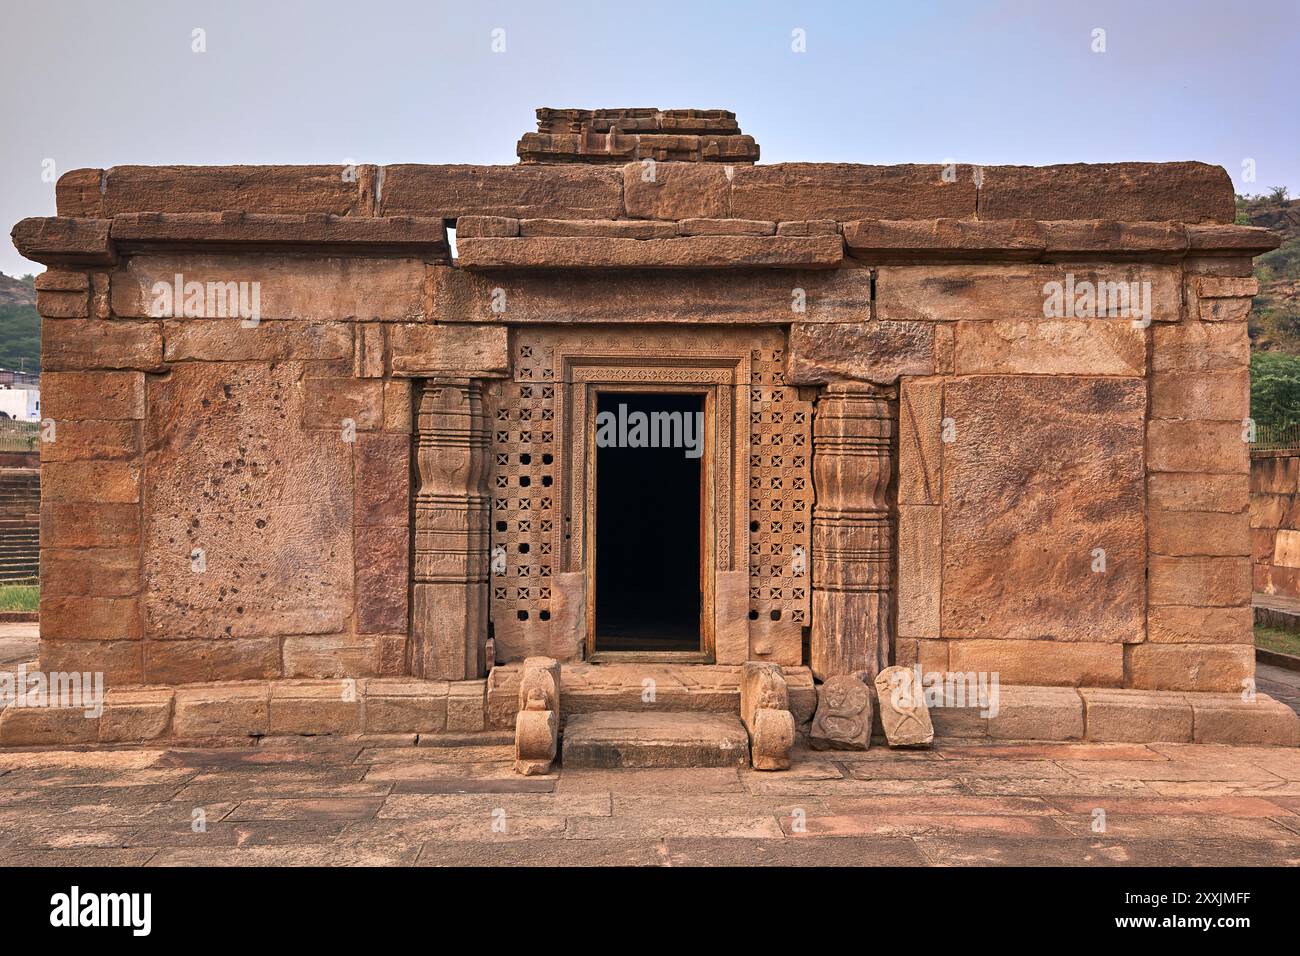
x: 383, y: 81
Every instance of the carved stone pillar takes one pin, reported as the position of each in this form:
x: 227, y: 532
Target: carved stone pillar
x: 852, y: 535
x: 449, y: 624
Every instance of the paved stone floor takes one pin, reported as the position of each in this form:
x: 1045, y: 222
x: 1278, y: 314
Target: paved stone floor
x: 369, y: 801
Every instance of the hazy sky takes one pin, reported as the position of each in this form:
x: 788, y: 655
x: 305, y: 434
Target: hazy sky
x: 381, y: 81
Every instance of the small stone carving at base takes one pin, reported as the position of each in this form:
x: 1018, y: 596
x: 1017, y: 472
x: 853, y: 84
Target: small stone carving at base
x: 843, y: 718
x: 537, y: 723
x: 903, y: 711
x: 765, y: 710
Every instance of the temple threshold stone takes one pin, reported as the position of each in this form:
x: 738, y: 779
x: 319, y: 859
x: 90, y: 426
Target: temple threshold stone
x: 629, y: 739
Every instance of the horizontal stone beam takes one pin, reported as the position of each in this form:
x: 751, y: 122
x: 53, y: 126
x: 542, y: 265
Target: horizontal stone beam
x: 690, y: 252
x: 391, y: 233
x: 63, y: 242
x: 1145, y: 192
x: 879, y: 240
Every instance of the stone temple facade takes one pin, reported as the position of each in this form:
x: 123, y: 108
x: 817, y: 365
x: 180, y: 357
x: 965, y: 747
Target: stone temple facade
x: 319, y: 427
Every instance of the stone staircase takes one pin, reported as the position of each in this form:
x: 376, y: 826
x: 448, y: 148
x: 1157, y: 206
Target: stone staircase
x: 648, y: 715
x: 20, y: 507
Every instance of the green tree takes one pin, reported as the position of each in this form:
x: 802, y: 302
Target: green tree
x: 1275, y: 389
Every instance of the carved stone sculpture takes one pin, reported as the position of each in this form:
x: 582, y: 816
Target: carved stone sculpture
x: 537, y: 723
x: 903, y: 711
x: 843, y: 718
x: 765, y: 709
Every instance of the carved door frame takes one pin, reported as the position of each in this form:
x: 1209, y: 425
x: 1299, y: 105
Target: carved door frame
x: 714, y: 395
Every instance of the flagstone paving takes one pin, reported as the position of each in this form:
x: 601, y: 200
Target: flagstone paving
x: 394, y: 801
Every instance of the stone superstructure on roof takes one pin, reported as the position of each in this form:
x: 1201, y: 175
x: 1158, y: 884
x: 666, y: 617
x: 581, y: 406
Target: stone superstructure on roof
x: 622, y: 135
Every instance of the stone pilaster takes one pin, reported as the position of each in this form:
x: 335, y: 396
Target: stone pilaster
x: 449, y: 622
x: 852, y: 538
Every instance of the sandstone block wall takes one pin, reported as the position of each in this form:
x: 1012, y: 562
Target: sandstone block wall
x: 1275, y: 522
x: 1071, y: 492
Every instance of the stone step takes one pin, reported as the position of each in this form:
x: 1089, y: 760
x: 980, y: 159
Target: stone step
x: 591, y: 688
x: 620, y: 738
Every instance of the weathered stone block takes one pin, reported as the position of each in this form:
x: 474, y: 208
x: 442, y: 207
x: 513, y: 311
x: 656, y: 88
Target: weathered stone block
x: 1024, y: 293
x: 1199, y: 346
x: 91, y: 618
x: 86, y: 396
x: 99, y: 572
x: 122, y: 662
x: 47, y: 726
x: 1044, y: 663
x: 1048, y: 347
x: 877, y: 352
x: 333, y: 403
x: 109, y: 482
x: 1131, y: 716
x: 419, y: 711
x: 519, y: 192
x: 1200, y: 581
x: 268, y: 505
x: 849, y: 191
x: 463, y: 350
x: 1182, y: 491
x: 687, y: 252
x: 1024, y: 473
x: 1198, y: 533
x: 266, y: 189
x: 1186, y: 192
x: 83, y: 441
x: 183, y: 662
x: 920, y: 445
x: 466, y: 706
x: 63, y: 305
x: 479, y: 227
x: 134, y: 715
x: 920, y: 570
x: 676, y: 191
x: 320, y: 289
x: 330, y: 655
x: 692, y: 297
x: 608, y: 228
x: 1228, y: 719
x: 312, y: 707
x: 230, y: 340
x: 382, y: 577
x: 1197, y: 667
x: 1201, y: 396
x: 1216, y: 447
x: 76, y: 344
x: 1037, y: 713
x: 383, y: 477
x: 727, y: 227
x: 1173, y: 624
x: 222, y: 710
x: 66, y: 524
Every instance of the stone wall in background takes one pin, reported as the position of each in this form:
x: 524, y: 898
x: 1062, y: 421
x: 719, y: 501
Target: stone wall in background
x: 1275, y: 521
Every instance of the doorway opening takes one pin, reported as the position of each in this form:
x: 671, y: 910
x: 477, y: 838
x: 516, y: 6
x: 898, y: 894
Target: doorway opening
x: 649, y: 522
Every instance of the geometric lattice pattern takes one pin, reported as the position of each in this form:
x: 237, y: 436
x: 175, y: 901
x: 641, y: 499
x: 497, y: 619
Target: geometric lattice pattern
x: 524, y: 498
x: 780, y: 493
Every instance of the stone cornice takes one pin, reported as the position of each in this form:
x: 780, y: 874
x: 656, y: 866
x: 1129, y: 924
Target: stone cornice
x: 66, y: 242
x: 84, y: 243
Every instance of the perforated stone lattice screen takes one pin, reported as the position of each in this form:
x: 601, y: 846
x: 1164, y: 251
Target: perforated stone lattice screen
x: 780, y: 492
x: 771, y: 465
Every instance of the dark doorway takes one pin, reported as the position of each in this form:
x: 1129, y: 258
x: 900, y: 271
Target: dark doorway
x: 649, y: 469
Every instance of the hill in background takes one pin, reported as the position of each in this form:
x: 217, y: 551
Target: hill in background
x: 20, y: 327
x: 1275, y: 318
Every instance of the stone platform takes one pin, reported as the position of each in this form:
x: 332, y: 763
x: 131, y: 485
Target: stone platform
x: 358, y: 801
x: 661, y: 739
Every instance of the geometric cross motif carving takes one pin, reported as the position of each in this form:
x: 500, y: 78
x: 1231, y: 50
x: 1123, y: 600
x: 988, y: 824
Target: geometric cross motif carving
x: 524, y: 500
x: 780, y: 493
